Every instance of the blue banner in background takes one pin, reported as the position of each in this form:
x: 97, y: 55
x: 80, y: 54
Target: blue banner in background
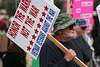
x: 82, y: 22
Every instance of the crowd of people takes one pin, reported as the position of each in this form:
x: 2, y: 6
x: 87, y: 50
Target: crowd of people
x: 70, y: 34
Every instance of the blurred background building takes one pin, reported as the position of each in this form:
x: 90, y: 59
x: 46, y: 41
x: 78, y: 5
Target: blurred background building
x: 9, y: 6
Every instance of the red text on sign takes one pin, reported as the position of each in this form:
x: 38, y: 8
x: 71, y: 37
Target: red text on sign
x: 25, y: 32
x: 29, y: 21
x: 19, y: 16
x: 34, y: 11
x: 14, y: 29
x: 25, y: 5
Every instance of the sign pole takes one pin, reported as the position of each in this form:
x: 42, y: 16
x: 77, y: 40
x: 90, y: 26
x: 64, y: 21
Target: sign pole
x: 64, y: 49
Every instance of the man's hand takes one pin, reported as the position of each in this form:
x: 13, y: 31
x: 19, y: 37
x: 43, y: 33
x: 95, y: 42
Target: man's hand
x: 70, y: 54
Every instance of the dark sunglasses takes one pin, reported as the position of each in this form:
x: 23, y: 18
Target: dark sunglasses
x: 71, y: 26
x: 83, y: 28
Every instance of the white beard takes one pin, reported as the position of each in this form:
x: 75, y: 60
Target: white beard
x: 70, y: 35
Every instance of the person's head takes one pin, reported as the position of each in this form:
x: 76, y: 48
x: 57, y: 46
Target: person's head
x: 81, y: 27
x: 3, y: 27
x: 65, y: 26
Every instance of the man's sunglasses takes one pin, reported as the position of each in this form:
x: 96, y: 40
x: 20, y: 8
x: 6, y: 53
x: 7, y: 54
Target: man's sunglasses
x: 83, y: 28
x: 71, y: 26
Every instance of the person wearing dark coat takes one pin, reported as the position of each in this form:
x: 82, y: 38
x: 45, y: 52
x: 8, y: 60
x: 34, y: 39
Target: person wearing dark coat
x: 96, y: 46
x: 14, y: 57
x: 64, y: 29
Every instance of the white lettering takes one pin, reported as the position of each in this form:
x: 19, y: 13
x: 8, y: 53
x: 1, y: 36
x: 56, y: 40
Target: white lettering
x: 78, y: 10
x: 86, y: 3
x: 77, y: 0
x: 87, y: 21
x: 86, y: 15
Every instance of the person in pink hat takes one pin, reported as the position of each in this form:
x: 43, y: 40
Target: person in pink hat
x: 3, y: 27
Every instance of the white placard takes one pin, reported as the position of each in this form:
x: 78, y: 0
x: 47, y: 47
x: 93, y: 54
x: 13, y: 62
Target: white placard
x: 98, y: 12
x: 32, y: 22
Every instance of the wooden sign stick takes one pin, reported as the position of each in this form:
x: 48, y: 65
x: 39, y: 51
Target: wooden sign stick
x: 64, y: 49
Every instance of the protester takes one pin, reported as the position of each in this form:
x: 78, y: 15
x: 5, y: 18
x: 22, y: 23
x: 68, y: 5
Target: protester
x: 3, y: 27
x: 15, y: 56
x: 64, y: 29
x: 1, y: 64
x: 81, y: 31
x: 96, y: 46
x: 29, y: 60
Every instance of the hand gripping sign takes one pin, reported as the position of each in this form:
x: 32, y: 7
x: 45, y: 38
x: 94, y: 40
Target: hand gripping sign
x: 32, y: 22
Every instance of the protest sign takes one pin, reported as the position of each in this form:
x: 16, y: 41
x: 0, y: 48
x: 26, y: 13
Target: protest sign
x: 31, y: 24
x: 69, y: 6
x: 18, y: 1
x: 98, y: 12
x: 82, y: 22
x: 84, y: 9
x: 52, y: 1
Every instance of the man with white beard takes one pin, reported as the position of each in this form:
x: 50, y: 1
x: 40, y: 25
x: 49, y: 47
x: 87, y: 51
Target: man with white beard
x: 64, y: 30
